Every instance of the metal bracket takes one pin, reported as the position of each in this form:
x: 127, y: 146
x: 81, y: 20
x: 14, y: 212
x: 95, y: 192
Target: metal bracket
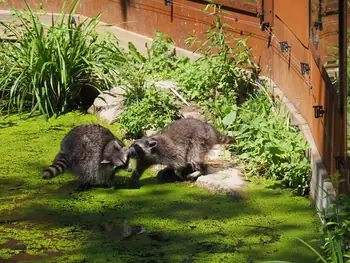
x: 318, y: 25
x: 264, y: 26
x: 339, y: 162
x: 73, y: 22
x: 304, y: 68
x: 284, y: 46
x: 319, y: 111
x: 168, y: 2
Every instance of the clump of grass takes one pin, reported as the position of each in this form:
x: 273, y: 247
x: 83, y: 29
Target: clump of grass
x: 49, y: 65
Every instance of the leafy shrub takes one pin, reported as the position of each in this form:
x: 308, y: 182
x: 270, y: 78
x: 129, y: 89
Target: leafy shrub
x: 49, y: 65
x: 139, y: 69
x: 337, y: 228
x: 219, y: 76
x: 157, y: 109
x: 162, y: 59
x: 267, y: 144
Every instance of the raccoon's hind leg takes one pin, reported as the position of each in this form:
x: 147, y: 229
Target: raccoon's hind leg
x: 195, y: 159
x: 57, y: 167
x: 83, y: 175
x: 199, y: 169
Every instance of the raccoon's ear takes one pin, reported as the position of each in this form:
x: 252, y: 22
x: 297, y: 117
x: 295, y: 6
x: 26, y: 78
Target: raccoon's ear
x: 153, y: 144
x: 117, y: 144
x: 105, y: 162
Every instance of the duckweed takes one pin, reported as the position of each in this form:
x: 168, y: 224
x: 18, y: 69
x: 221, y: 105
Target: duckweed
x: 48, y: 221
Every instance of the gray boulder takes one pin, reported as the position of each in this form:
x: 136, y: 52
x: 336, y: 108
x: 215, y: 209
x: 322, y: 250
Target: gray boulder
x: 109, y: 105
x: 228, y: 181
x: 192, y: 112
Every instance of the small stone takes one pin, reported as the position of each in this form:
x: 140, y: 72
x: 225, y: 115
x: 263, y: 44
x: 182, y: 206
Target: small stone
x: 228, y: 181
x: 163, y: 84
x: 150, y: 132
x: 192, y: 112
x: 109, y: 105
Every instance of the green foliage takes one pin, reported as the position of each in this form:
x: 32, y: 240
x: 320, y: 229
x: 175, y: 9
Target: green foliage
x: 156, y: 109
x: 162, y: 57
x: 146, y: 106
x: 267, y: 144
x: 49, y: 64
x: 337, y: 228
x: 215, y: 80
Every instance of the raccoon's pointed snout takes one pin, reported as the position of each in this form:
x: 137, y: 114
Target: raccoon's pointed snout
x: 131, y: 152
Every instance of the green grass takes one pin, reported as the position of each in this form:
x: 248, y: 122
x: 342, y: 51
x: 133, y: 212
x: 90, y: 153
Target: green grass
x: 48, y: 221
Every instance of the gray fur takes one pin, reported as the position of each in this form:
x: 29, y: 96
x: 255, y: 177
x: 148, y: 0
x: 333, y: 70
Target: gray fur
x: 93, y: 154
x: 182, y: 146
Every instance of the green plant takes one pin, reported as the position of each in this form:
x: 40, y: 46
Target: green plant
x: 337, y: 227
x: 267, y: 144
x: 154, y: 111
x: 220, y: 75
x: 49, y: 65
x: 161, y: 56
x: 139, y: 69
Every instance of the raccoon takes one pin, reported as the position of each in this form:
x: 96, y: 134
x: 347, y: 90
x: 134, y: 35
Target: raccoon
x: 182, y: 146
x: 93, y: 154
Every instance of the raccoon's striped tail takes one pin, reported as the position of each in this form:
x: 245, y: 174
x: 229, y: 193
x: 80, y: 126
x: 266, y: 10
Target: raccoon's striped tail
x: 58, y: 166
x: 223, y: 139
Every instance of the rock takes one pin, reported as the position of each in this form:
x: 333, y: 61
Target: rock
x: 163, y: 84
x: 192, y: 112
x: 219, y: 153
x: 158, y: 167
x: 150, y: 132
x: 228, y: 181
x: 109, y: 105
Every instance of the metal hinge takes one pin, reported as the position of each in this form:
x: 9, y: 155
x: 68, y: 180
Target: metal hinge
x: 339, y: 162
x: 319, y: 111
x: 304, y: 68
x: 284, y: 46
x: 168, y: 2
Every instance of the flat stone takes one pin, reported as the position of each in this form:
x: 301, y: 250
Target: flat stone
x: 228, y: 181
x: 192, y: 112
x: 219, y: 153
x: 109, y: 105
x: 150, y: 132
x: 163, y: 84
x: 158, y: 167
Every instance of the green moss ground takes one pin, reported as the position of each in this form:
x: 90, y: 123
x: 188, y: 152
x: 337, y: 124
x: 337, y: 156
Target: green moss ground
x: 48, y: 221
